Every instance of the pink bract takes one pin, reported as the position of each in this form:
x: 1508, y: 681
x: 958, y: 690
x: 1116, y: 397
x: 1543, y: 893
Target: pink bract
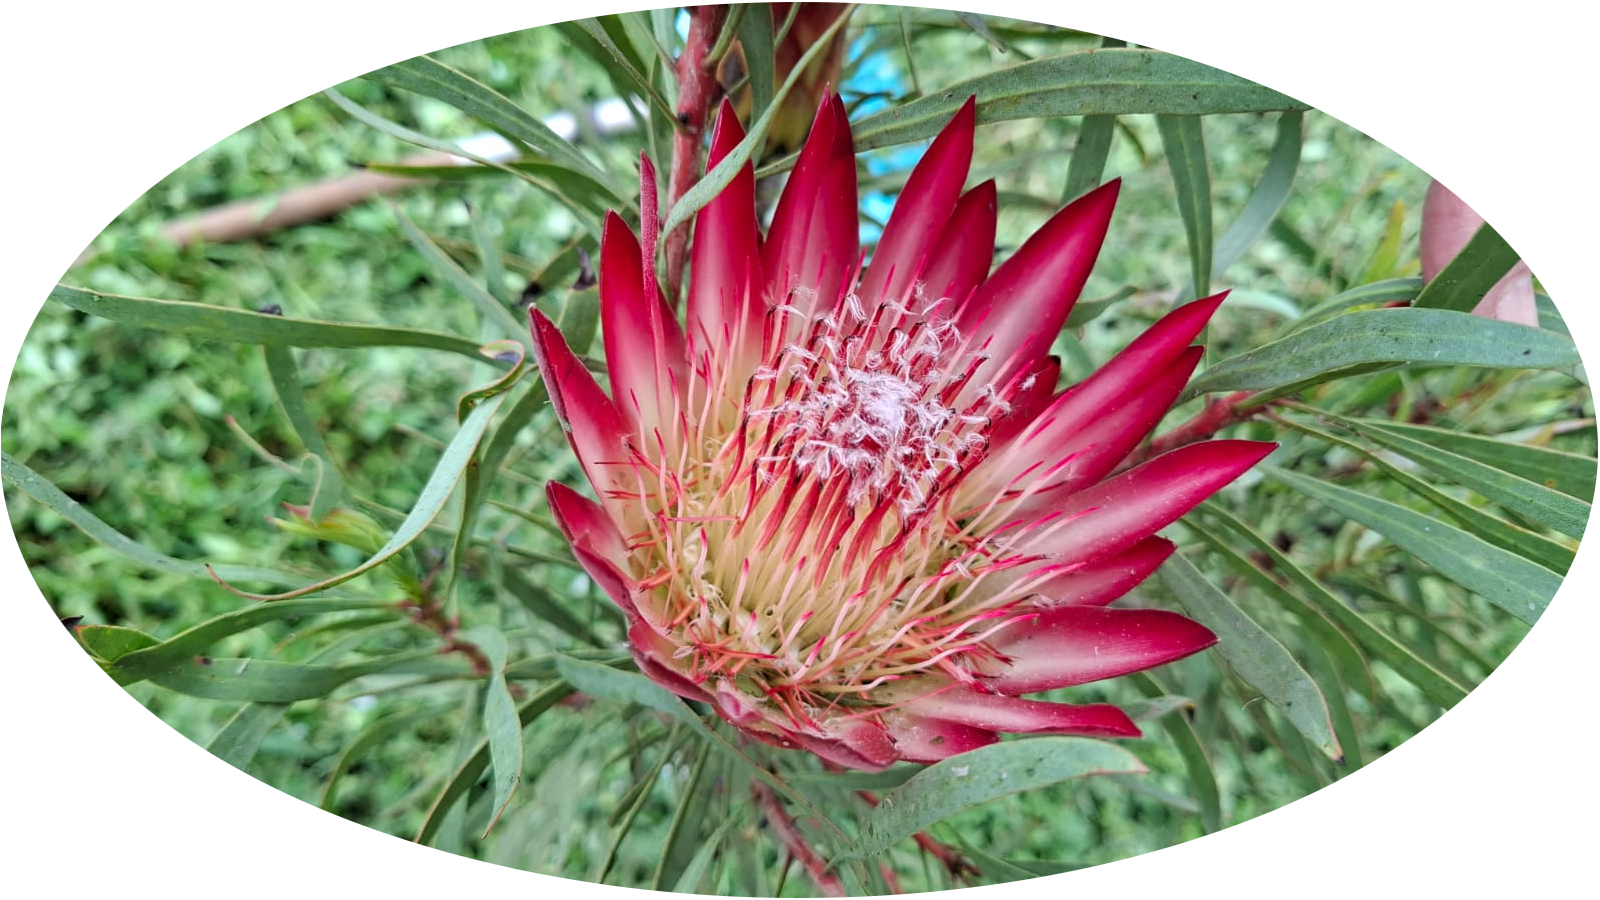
x: 847, y: 509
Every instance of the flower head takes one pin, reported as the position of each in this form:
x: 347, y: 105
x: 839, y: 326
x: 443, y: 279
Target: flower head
x: 843, y: 504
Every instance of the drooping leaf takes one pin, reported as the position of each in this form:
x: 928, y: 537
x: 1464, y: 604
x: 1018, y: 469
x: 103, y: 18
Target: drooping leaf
x: 1510, y: 582
x: 472, y: 768
x: 1359, y: 340
x: 237, y: 742
x: 1088, y: 82
x: 430, y: 503
x: 1460, y: 285
x: 500, y: 720
x: 1266, y: 200
x: 1435, y: 685
x: 378, y: 732
x: 1532, y: 500
x: 477, y: 294
x: 1185, y: 145
x: 1569, y: 473
x: 1202, y: 777
x: 1253, y: 654
x: 978, y: 776
x: 427, y: 76
x: 238, y: 326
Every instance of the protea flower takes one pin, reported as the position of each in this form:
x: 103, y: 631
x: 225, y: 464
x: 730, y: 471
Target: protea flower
x: 843, y: 505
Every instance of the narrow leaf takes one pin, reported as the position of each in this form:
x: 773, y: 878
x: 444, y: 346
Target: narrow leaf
x: 378, y: 732
x: 1088, y: 163
x: 1437, y: 686
x: 1510, y: 582
x: 980, y: 28
x: 1253, y: 654
x: 500, y: 721
x: 196, y: 639
x: 1461, y: 284
x: 1088, y: 82
x: 240, y: 739
x: 427, y: 76
x: 430, y: 503
x: 1267, y: 200
x: 285, y: 374
x: 472, y: 768
x: 606, y: 683
x: 978, y: 776
x: 264, y: 680
x: 1540, y: 504
x: 1569, y: 473
x: 491, y: 309
x: 1393, y: 290
x: 1202, y: 777
x: 1185, y: 146
x: 1423, y: 337
x: 237, y: 326
x: 755, y: 36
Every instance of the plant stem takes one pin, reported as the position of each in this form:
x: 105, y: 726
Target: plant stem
x: 784, y: 828
x: 697, y: 84
x: 1217, y: 415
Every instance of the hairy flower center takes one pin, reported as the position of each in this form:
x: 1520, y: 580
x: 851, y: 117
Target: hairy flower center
x: 813, y: 551
x: 867, y: 412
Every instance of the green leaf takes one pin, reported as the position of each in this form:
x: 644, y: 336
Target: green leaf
x: 472, y: 768
x: 1569, y: 473
x: 700, y: 863
x: 1543, y: 505
x: 427, y: 76
x: 494, y: 273
x: 39, y: 488
x: 584, y: 196
x: 1202, y: 777
x: 978, y: 776
x: 1267, y: 200
x: 491, y: 309
x: 606, y: 683
x: 1423, y: 337
x: 1394, y: 290
x: 1088, y: 163
x: 328, y: 487
x: 755, y: 35
x: 980, y: 28
x: 237, y: 326
x: 1386, y: 259
x: 377, y: 733
x: 430, y: 503
x: 1437, y: 686
x: 1185, y: 145
x: 629, y: 64
x: 545, y: 606
x: 500, y: 721
x: 265, y: 680
x: 108, y: 643
x: 195, y: 640
x: 683, y: 833
x: 1088, y: 82
x: 1253, y: 654
x: 1510, y: 582
x: 240, y: 739
x: 1461, y: 284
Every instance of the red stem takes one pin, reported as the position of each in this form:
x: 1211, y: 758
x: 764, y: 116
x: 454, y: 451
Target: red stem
x: 793, y: 841
x: 1217, y: 415
x: 697, y: 85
